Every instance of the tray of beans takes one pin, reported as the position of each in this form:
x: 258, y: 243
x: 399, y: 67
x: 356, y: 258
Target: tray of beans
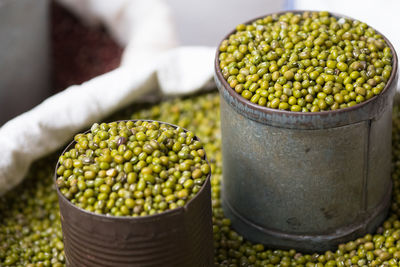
x: 294, y: 88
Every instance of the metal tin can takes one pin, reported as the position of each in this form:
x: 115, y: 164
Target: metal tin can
x: 25, y: 55
x: 307, y: 181
x: 178, y: 237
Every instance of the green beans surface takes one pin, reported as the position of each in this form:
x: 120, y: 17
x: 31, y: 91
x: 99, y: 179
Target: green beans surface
x: 30, y: 230
x: 305, y: 62
x: 132, y: 168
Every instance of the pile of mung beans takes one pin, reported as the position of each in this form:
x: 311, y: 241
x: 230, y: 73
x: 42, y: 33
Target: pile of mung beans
x: 306, y: 62
x: 30, y: 230
x: 132, y: 168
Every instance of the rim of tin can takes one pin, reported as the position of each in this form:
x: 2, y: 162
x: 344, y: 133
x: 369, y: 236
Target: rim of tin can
x: 138, y: 218
x: 257, y: 108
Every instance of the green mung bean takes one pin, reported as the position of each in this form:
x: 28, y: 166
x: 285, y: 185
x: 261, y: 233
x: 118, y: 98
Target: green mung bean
x: 132, y: 163
x: 265, y: 60
x: 30, y: 229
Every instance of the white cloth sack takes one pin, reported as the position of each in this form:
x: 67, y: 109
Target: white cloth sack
x: 150, y: 61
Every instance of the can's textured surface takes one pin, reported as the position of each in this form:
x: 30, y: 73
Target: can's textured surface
x: 179, y: 237
x: 306, y: 180
x: 24, y: 54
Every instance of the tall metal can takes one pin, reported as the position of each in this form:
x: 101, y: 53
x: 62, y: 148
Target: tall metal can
x: 307, y: 181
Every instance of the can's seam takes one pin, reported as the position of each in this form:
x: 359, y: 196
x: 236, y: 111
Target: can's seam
x: 365, y: 168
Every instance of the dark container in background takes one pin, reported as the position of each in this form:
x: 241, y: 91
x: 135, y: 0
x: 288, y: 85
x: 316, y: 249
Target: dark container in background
x: 24, y: 56
x: 174, y: 238
x: 307, y: 181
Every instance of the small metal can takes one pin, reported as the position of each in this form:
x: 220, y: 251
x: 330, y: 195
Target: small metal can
x: 178, y: 237
x: 307, y: 181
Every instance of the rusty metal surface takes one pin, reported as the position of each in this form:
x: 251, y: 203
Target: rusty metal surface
x: 179, y: 237
x: 24, y: 56
x: 306, y: 180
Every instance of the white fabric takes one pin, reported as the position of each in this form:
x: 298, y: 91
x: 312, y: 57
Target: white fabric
x: 150, y: 61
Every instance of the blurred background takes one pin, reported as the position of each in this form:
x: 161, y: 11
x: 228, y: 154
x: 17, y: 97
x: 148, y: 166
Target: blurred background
x: 44, y: 47
x: 206, y: 22
x: 31, y: 68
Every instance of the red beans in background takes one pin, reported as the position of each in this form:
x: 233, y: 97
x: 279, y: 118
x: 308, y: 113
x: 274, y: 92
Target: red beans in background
x: 79, y: 52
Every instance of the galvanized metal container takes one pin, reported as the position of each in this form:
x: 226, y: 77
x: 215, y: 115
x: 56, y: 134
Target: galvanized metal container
x: 307, y: 181
x: 24, y: 54
x: 179, y: 237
